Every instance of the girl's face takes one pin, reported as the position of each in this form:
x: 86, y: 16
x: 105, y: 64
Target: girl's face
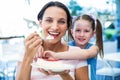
x: 54, y: 23
x: 82, y: 32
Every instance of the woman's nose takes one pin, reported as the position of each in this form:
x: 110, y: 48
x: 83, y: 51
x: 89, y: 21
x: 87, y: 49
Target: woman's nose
x: 54, y: 25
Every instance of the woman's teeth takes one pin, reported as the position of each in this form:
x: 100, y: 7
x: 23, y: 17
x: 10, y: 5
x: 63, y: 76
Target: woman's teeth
x: 49, y: 37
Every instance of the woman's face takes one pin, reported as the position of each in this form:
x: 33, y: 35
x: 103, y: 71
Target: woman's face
x: 54, y: 23
x: 82, y: 32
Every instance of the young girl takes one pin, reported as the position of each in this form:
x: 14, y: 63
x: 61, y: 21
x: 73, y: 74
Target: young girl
x: 83, y: 29
x: 55, y: 19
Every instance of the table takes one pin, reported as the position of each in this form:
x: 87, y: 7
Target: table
x: 111, y: 71
x: 112, y: 59
x: 112, y: 56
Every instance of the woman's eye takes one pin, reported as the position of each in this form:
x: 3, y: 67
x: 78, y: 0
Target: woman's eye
x: 48, y: 20
x: 61, y: 22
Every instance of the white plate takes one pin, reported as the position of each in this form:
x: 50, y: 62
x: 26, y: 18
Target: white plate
x: 53, y: 66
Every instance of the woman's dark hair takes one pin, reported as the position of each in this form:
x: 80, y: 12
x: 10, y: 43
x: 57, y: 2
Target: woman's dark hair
x: 97, y: 27
x: 57, y: 4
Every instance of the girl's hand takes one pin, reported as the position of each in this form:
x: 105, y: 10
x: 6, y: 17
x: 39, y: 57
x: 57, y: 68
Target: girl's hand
x: 49, y: 55
x: 32, y: 44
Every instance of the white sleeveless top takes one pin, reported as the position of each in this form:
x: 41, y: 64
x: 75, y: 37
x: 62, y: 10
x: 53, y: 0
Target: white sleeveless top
x: 37, y: 75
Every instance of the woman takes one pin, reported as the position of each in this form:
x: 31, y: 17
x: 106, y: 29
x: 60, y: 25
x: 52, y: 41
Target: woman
x: 54, y: 18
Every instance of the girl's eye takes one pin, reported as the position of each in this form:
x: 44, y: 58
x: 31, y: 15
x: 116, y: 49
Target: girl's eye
x: 87, y: 31
x: 77, y: 30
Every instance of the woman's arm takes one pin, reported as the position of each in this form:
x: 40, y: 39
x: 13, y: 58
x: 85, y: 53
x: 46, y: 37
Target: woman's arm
x: 66, y: 76
x: 32, y: 44
x: 77, y: 53
x: 82, y: 73
x: 24, y: 70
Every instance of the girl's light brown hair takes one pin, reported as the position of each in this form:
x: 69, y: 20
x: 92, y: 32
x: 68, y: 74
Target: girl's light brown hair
x: 97, y: 27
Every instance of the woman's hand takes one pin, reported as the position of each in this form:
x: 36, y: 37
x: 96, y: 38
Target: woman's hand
x: 49, y: 72
x: 59, y: 73
x: 63, y: 74
x: 32, y: 45
x: 39, y: 53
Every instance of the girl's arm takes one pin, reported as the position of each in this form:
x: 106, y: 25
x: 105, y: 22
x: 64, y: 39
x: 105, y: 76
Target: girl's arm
x: 77, y: 53
x: 74, y: 53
